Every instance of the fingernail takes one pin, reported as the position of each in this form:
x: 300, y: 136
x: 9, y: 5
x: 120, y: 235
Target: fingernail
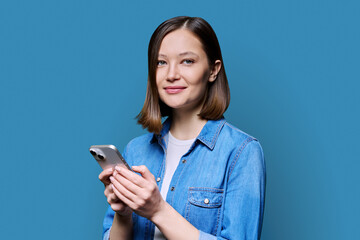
x: 117, y: 168
x: 115, y: 173
x: 111, y: 178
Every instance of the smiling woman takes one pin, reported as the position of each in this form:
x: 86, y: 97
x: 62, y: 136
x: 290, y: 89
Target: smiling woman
x: 183, y: 71
x: 202, y: 39
x: 200, y: 177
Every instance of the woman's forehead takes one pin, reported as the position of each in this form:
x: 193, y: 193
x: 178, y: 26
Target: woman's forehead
x: 181, y: 42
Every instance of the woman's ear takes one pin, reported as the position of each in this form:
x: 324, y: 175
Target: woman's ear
x: 215, y: 70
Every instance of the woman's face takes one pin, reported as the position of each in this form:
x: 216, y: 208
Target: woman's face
x: 182, y: 71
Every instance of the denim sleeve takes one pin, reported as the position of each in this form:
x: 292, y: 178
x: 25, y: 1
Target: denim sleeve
x: 245, y: 195
x: 206, y: 236
x: 106, y: 235
x: 107, y: 223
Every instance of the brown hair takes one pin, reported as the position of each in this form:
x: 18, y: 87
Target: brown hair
x: 217, y: 97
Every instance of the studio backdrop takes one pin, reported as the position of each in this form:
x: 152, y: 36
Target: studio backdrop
x: 73, y: 74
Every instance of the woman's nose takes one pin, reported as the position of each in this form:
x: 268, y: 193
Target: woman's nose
x: 173, y: 73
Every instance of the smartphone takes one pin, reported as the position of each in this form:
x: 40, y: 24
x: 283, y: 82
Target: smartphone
x: 107, y: 156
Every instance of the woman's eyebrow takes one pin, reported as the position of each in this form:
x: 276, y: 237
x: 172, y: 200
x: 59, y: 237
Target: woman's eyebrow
x: 188, y: 53
x: 180, y: 54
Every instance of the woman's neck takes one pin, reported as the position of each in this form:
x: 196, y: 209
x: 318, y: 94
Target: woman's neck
x: 186, y: 124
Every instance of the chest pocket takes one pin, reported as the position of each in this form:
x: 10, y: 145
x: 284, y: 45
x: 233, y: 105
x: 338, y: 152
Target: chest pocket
x: 203, y: 208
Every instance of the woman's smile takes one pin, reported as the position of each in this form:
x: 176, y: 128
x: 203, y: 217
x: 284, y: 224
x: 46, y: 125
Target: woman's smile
x: 174, y: 89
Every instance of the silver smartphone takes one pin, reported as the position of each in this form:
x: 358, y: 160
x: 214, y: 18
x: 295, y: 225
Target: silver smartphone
x: 107, y: 156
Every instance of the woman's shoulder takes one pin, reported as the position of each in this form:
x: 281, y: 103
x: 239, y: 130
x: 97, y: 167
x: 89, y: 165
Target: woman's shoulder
x: 236, y: 133
x: 243, y: 145
x: 141, y: 140
x: 234, y: 138
x: 138, y: 146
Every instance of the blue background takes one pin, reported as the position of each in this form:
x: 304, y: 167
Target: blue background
x: 73, y: 74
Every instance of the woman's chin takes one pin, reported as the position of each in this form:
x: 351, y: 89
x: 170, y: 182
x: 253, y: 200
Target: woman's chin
x: 175, y: 104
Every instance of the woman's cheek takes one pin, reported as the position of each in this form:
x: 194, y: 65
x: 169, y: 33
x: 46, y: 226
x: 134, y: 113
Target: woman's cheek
x: 160, y: 75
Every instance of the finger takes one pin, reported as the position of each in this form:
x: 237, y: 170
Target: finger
x: 135, y: 189
x: 108, y: 190
x: 123, y: 198
x: 122, y: 190
x: 131, y: 176
x: 125, y: 192
x: 104, y: 175
x: 144, y: 171
x: 118, y: 207
x: 114, y: 198
x: 110, y: 195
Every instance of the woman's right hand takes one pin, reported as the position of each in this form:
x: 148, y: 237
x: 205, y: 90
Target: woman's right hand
x: 116, y: 204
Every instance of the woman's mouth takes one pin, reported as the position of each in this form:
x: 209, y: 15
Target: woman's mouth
x: 174, y: 89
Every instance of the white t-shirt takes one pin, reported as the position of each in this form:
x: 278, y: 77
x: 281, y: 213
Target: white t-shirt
x: 175, y: 150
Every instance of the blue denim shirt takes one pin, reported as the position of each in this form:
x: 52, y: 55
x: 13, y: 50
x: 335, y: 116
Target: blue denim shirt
x: 218, y: 186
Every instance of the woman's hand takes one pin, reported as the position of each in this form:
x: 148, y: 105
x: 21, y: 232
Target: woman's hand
x: 115, y: 203
x: 140, y: 193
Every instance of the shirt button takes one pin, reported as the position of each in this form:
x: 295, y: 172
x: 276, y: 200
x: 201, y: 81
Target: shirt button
x: 172, y: 188
x: 158, y: 179
x: 206, y: 201
x: 184, y: 161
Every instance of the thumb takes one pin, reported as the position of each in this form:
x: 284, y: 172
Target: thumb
x: 144, y: 171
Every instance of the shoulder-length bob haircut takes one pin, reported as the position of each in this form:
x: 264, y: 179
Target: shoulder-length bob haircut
x: 217, y: 97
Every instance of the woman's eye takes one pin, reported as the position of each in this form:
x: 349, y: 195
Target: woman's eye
x: 161, y: 63
x: 188, y: 61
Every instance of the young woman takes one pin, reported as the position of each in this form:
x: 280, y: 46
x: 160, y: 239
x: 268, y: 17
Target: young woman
x: 195, y: 176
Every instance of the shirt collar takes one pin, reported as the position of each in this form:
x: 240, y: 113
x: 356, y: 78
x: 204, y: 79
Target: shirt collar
x: 165, y: 129
x: 208, y: 135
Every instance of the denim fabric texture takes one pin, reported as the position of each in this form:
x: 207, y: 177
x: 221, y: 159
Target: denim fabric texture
x: 218, y: 186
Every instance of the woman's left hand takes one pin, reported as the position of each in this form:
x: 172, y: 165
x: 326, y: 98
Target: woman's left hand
x: 140, y: 193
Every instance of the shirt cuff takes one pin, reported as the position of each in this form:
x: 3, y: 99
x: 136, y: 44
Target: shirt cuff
x: 206, y: 236
x: 107, y: 234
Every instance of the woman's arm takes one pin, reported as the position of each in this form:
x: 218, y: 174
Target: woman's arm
x: 121, y: 214
x: 121, y: 227
x: 245, y: 194
x: 142, y: 195
x: 167, y: 218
